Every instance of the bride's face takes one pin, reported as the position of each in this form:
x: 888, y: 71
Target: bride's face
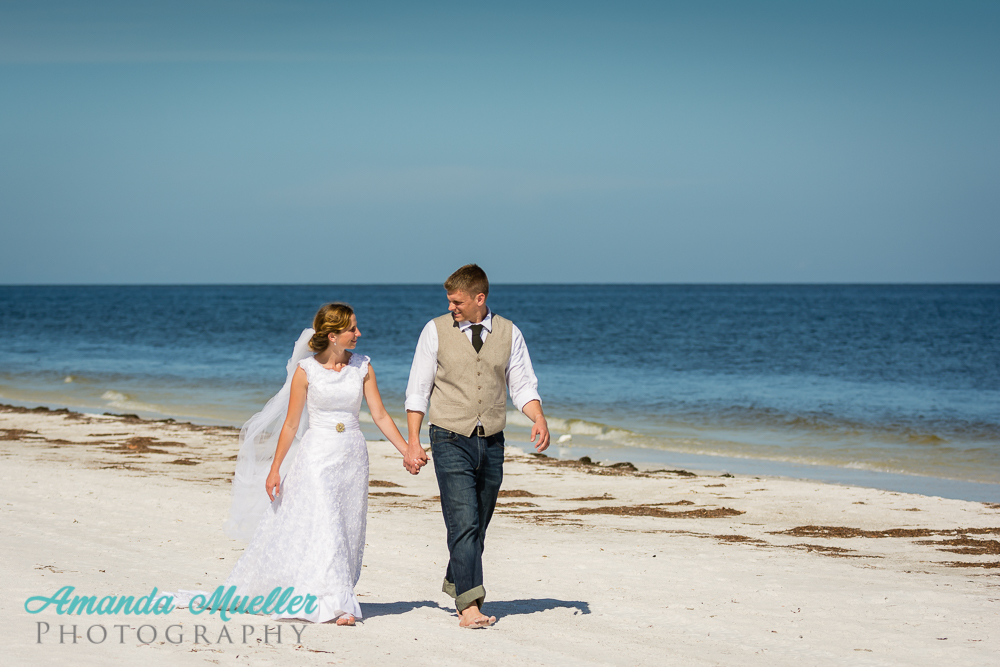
x: 348, y: 338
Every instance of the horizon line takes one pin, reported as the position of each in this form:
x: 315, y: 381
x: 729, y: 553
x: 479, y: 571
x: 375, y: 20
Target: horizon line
x: 555, y: 284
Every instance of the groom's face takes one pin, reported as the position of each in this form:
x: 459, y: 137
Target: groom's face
x: 465, y: 307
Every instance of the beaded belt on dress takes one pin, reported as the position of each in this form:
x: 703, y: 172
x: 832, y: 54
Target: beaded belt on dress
x: 339, y: 422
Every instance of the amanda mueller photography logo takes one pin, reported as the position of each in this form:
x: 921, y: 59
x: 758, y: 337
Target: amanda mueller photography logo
x: 223, y: 601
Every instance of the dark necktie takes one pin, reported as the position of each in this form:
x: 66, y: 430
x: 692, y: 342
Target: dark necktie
x: 477, y: 340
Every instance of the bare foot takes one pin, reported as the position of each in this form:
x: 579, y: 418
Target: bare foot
x: 346, y: 619
x: 473, y: 618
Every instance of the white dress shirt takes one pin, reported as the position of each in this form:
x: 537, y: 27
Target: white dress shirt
x: 521, y: 380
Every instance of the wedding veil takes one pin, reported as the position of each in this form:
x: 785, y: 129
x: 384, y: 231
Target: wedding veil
x: 258, y: 441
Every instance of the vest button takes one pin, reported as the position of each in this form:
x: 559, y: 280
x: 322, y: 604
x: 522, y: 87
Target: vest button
x: 480, y: 401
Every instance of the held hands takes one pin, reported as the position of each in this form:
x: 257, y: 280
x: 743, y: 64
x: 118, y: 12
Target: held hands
x: 541, y: 431
x: 272, y: 484
x: 415, y: 458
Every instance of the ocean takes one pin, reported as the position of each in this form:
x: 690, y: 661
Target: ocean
x: 891, y: 386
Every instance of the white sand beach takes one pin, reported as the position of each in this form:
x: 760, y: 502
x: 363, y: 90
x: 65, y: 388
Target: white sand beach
x: 585, y: 565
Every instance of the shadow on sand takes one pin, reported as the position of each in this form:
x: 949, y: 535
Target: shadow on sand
x: 501, y: 608
x: 373, y: 609
x: 498, y: 608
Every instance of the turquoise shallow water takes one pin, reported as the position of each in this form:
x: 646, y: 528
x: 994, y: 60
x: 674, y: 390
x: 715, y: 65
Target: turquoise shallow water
x: 863, y: 381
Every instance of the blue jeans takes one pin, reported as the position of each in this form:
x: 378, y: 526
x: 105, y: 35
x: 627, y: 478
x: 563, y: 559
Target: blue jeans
x: 469, y: 471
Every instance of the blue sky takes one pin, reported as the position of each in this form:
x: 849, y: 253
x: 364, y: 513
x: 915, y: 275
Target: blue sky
x: 329, y: 142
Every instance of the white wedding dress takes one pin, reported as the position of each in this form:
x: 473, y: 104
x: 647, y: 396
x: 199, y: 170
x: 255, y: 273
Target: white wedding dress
x: 313, y: 536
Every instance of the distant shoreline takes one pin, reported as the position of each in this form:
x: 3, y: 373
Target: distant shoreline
x: 652, y: 458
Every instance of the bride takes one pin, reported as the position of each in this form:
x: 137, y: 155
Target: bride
x: 308, y: 524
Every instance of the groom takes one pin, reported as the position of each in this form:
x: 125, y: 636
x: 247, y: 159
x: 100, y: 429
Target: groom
x: 463, y: 365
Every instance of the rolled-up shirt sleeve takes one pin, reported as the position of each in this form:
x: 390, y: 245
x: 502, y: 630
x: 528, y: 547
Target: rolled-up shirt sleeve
x: 520, y: 375
x: 423, y: 370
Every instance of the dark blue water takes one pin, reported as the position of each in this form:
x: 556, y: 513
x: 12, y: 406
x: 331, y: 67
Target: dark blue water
x: 901, y: 379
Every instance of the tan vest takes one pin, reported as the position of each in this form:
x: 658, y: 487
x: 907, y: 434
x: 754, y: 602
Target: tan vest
x: 470, y: 387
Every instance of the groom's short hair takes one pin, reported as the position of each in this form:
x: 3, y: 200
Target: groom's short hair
x: 469, y: 279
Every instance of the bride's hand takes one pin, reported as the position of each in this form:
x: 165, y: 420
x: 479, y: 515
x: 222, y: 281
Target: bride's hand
x: 415, y: 458
x: 273, y: 484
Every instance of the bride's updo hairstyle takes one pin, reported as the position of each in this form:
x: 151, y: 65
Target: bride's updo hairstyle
x: 332, y: 318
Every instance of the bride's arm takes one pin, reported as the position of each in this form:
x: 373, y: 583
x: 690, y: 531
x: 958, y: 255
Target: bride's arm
x: 379, y: 414
x: 296, y: 401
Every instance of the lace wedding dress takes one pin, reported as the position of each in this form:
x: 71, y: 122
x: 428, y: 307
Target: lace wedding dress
x: 313, y: 536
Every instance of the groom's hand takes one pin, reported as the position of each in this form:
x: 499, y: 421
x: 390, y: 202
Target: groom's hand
x: 540, y: 430
x: 533, y: 411
x: 415, y: 458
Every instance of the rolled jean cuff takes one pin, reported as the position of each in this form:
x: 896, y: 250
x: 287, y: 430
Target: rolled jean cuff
x: 475, y: 596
